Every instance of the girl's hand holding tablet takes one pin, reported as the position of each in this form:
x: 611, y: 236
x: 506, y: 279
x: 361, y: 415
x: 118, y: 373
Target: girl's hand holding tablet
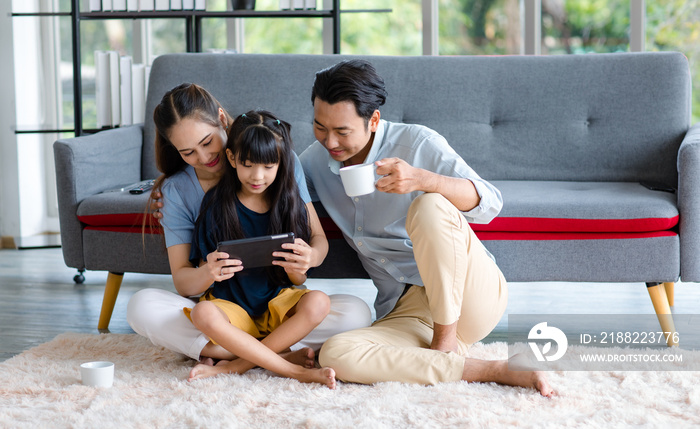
x: 298, y: 261
x: 220, y: 267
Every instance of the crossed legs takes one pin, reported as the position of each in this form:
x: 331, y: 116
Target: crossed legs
x: 311, y: 309
x: 425, y: 337
x: 157, y: 315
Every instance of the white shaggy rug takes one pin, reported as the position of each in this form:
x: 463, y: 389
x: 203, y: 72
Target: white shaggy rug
x: 41, y: 388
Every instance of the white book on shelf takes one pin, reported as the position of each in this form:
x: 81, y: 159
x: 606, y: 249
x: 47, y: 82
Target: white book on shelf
x: 176, y: 4
x: 95, y: 5
x: 119, y: 5
x: 162, y: 4
x: 285, y: 4
x: 107, y: 5
x: 200, y: 4
x: 138, y: 93
x: 297, y: 4
x: 188, y: 4
x: 132, y: 5
x: 125, y: 95
x: 115, y: 107
x: 146, y: 5
x: 102, y: 89
x: 309, y: 4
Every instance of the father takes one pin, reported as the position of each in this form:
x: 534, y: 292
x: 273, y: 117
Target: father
x: 439, y: 290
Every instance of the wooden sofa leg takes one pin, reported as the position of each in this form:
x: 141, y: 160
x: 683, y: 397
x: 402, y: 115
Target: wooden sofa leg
x: 657, y: 292
x: 669, y: 292
x: 114, y: 282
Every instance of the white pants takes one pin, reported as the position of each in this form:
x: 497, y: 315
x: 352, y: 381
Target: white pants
x: 157, y: 315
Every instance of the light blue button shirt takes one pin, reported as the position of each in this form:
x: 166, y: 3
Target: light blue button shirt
x: 375, y: 224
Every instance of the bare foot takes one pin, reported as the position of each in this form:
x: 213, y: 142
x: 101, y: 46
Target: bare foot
x: 497, y: 371
x: 302, y: 357
x: 518, y: 362
x: 201, y: 371
x: 534, y: 379
x: 325, y: 376
x: 206, y: 361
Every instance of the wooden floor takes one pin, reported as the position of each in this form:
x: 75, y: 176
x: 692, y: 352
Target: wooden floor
x: 39, y: 300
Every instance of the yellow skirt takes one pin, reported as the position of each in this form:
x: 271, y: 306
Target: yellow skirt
x: 261, y: 326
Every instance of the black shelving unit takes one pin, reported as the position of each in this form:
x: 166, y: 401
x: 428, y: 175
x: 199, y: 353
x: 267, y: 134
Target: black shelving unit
x: 193, y: 34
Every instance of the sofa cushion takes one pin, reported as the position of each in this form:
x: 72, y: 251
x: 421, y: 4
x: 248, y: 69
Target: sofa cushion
x: 549, y: 210
x: 572, y: 236
x: 582, y: 207
x: 115, y: 209
x: 157, y: 230
x: 532, y: 210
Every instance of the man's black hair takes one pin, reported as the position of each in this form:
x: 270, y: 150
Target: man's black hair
x: 356, y: 81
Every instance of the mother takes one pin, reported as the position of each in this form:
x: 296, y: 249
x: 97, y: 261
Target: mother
x: 191, y: 138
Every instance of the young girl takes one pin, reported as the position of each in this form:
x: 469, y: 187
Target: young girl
x: 190, y: 151
x: 257, y: 195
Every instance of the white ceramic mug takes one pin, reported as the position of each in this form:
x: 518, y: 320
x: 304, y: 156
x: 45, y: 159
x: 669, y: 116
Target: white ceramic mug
x: 358, y: 179
x: 98, y: 374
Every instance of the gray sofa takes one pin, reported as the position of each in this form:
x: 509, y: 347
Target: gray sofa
x: 567, y: 139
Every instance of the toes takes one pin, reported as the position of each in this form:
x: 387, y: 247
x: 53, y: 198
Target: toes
x: 194, y: 373
x: 207, y: 361
x: 544, y: 388
x: 330, y: 374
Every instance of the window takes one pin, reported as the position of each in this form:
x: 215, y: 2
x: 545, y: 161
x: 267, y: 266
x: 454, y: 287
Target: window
x: 479, y: 27
x: 585, y: 26
x: 43, y: 50
x: 674, y: 25
x: 394, y: 33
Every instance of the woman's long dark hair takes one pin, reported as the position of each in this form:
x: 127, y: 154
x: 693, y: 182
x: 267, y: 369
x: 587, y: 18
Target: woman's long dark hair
x: 187, y: 100
x: 258, y: 137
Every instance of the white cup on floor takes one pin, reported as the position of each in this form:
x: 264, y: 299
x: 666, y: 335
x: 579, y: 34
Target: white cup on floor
x: 358, y: 179
x: 97, y: 374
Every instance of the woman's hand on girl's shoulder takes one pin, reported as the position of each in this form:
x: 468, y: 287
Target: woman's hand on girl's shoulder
x: 220, y: 267
x: 297, y: 260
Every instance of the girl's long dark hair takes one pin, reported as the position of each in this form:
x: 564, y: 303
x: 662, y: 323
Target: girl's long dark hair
x: 258, y: 137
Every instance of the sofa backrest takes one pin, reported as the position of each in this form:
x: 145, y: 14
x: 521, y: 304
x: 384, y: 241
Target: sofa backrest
x: 595, y: 117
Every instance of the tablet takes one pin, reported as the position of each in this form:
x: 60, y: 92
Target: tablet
x: 257, y: 251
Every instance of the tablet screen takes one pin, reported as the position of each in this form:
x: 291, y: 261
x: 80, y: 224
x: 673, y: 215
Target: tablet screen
x: 257, y: 251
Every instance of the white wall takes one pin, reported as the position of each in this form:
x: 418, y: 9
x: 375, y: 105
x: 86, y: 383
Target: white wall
x: 9, y: 176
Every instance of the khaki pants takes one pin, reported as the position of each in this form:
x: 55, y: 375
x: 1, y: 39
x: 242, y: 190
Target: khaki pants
x: 462, y: 284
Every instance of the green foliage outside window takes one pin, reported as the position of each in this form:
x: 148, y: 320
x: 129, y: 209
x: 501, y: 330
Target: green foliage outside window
x: 674, y: 25
x: 395, y: 33
x: 585, y: 26
x: 479, y: 27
